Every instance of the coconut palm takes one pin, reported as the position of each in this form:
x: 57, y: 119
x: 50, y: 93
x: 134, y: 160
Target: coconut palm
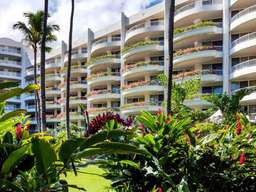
x: 69, y: 67
x: 171, y: 8
x: 32, y: 32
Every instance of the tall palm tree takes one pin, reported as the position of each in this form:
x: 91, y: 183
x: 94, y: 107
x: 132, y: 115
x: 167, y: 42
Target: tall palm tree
x: 42, y: 66
x: 170, y: 27
x: 69, y: 68
x: 32, y: 32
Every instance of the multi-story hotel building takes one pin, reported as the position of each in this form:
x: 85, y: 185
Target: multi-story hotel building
x: 116, y: 68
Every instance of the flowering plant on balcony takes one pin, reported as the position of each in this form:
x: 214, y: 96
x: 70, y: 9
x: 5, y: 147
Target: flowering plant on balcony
x: 102, y: 74
x: 140, y: 104
x: 194, y: 26
x: 142, y: 63
x: 140, y: 44
x: 141, y: 83
x: 107, y: 56
x: 194, y: 49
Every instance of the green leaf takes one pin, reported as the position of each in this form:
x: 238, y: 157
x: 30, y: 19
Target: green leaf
x: 44, y: 153
x: 8, y: 138
x: 9, y: 84
x: 14, y: 158
x: 12, y: 114
x: 130, y: 163
x: 11, y: 186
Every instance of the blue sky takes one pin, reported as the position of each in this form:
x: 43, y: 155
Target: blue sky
x: 93, y: 13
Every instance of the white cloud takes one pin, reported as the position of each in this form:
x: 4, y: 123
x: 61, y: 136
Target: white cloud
x: 95, y: 14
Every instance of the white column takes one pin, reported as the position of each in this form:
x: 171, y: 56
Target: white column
x: 226, y: 47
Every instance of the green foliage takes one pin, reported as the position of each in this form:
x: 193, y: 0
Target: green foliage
x: 194, y: 26
x: 140, y: 44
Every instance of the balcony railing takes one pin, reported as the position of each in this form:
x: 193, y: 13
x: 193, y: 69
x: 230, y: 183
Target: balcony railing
x: 10, y: 62
x: 97, y: 59
x: 182, y: 52
x: 141, y: 84
x: 196, y: 3
x: 144, y: 25
x: 10, y: 50
x: 102, y: 92
x: 197, y: 73
x: 8, y: 73
x: 141, y: 104
x: 102, y: 74
x: 244, y: 38
x: 103, y: 109
x: 244, y: 12
x: 129, y: 67
x: 142, y: 44
x: 245, y: 64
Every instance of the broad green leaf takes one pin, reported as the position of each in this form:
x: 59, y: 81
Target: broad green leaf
x: 14, y: 158
x: 8, y: 138
x: 12, y: 114
x: 11, y: 186
x: 130, y: 163
x: 9, y: 84
x: 44, y: 154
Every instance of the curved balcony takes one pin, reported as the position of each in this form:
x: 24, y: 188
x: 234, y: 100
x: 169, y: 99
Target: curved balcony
x: 197, y: 9
x: 244, y: 46
x: 197, y: 55
x: 98, y: 78
x: 102, y: 95
x: 144, y: 29
x: 186, y: 36
x: 243, y: 21
x: 52, y: 77
x: 104, y: 45
x: 96, y: 111
x: 10, y: 75
x: 205, y: 76
x: 10, y: 52
x: 53, y: 105
x: 76, y: 85
x: 238, y: 4
x: 53, y: 65
x: 31, y: 108
x: 142, y: 87
x: 248, y: 99
x: 136, y: 108
x: 13, y: 64
x: 52, y: 91
x: 197, y: 103
x: 244, y: 70
x: 105, y: 60
x: 143, y: 67
x: 76, y: 56
x: 29, y: 97
x: 77, y: 101
x: 141, y: 48
x: 52, y: 119
x: 75, y: 70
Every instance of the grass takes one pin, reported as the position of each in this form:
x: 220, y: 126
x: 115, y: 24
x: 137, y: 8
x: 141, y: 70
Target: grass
x: 89, y: 178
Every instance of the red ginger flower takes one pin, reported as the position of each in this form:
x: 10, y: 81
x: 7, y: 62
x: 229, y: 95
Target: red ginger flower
x: 238, y: 125
x: 242, y: 158
x: 18, y: 131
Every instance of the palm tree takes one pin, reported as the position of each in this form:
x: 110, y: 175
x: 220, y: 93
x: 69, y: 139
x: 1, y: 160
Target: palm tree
x: 33, y: 35
x: 171, y: 8
x: 69, y: 68
x: 42, y: 67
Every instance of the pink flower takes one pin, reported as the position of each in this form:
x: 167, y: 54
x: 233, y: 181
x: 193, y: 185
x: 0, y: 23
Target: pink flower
x: 160, y: 189
x: 18, y: 131
x: 242, y: 158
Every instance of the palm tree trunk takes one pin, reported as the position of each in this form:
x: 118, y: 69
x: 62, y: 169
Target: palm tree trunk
x: 170, y: 28
x: 37, y: 99
x: 42, y: 67
x: 69, y: 69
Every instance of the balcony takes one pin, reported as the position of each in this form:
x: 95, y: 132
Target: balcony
x: 104, y: 45
x: 238, y: 4
x: 243, y: 21
x: 29, y: 97
x: 53, y: 105
x: 244, y: 70
x: 10, y: 108
x: 76, y: 85
x: 244, y: 46
x: 8, y: 63
x: 53, y: 65
x: 53, y: 91
x: 10, y: 75
x: 103, y: 95
x: 248, y: 99
x: 74, y: 101
x: 197, y: 9
x: 141, y: 48
x: 145, y: 29
x: 197, y: 55
x: 105, y: 60
x: 53, y: 119
x: 103, y: 77
x: 142, y: 68
x: 197, y: 103
x: 53, y: 77
x: 141, y: 87
x: 138, y: 107
x: 10, y: 51
x: 205, y: 30
x: 31, y: 108
x: 76, y: 56
x: 205, y: 76
x: 75, y: 70
x: 94, y: 111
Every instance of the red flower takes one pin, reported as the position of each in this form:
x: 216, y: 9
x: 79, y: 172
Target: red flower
x: 242, y: 158
x: 27, y: 126
x: 18, y: 131
x: 159, y: 112
x: 238, y: 125
x: 160, y: 189
x: 168, y: 121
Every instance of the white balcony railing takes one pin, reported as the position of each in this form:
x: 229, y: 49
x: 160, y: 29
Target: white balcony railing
x: 245, y: 64
x: 244, y: 38
x: 11, y: 74
x: 244, y: 12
